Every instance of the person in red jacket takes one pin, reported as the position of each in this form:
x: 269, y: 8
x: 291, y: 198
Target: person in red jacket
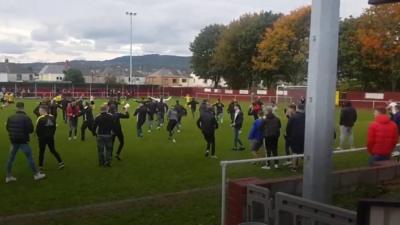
x: 73, y: 112
x: 382, y: 137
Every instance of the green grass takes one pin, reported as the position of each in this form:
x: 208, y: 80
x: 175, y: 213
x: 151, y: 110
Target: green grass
x: 151, y: 166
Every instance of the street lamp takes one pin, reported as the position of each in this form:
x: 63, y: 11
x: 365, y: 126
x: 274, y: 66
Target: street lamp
x: 131, y: 15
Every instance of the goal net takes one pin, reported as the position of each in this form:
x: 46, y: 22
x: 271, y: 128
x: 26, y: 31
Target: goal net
x: 290, y: 94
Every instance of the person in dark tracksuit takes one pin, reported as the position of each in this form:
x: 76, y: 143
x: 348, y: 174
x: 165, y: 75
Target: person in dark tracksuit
x: 104, y: 127
x: 19, y: 126
x: 295, y: 132
x: 181, y: 113
x: 208, y: 124
x: 204, y: 107
x: 161, y: 109
x: 173, y: 121
x: 140, y: 113
x: 151, y: 107
x: 118, y: 133
x: 237, y: 127
x: 231, y: 108
x: 45, y: 131
x: 272, y: 127
x: 219, y: 108
x: 88, y: 120
x: 64, y: 105
x: 193, y: 105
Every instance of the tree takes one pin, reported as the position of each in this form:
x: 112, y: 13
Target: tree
x: 237, y: 47
x: 203, y: 49
x: 284, y: 48
x: 379, y: 35
x: 74, y: 75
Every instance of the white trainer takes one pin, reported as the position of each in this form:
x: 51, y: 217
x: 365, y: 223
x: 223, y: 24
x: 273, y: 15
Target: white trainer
x: 173, y: 141
x: 74, y: 137
x: 69, y: 138
x: 10, y: 179
x: 39, y: 176
x: 266, y: 168
x: 214, y: 157
x: 276, y: 166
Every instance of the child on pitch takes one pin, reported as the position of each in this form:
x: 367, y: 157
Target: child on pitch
x: 172, y: 122
x: 256, y: 135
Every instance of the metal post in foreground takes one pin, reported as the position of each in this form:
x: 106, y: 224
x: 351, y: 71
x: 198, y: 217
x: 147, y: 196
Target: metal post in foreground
x: 322, y: 71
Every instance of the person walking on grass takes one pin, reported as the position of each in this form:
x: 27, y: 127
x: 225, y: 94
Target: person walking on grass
x: 237, y: 129
x: 219, y: 109
x: 172, y: 122
x: 181, y: 113
x: 231, y: 108
x: 104, y: 127
x: 208, y: 124
x: 64, y: 105
x: 45, y: 131
x: 295, y: 133
x: 19, y: 126
x: 256, y: 135
x: 193, y: 105
x: 118, y: 133
x: 161, y: 109
x: 151, y: 107
x: 382, y: 137
x: 88, y: 119
x: 140, y: 114
x: 73, y: 113
x: 272, y: 131
x: 289, y: 112
x: 348, y: 117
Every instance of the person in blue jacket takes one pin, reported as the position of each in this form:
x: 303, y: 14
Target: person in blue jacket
x: 256, y: 135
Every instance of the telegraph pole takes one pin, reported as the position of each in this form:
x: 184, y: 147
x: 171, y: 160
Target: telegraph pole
x: 322, y: 72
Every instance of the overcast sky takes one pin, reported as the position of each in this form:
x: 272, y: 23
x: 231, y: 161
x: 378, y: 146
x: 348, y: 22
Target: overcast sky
x: 56, y: 30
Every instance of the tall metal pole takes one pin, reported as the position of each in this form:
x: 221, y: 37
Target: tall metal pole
x: 130, y: 56
x: 322, y: 72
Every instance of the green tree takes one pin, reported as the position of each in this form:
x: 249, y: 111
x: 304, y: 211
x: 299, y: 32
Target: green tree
x: 284, y: 48
x: 74, y: 75
x: 237, y: 47
x: 203, y: 49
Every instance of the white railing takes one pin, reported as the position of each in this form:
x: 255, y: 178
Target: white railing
x: 225, y: 164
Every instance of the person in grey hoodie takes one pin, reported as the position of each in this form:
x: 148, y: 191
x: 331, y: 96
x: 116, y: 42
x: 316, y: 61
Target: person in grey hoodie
x: 172, y: 122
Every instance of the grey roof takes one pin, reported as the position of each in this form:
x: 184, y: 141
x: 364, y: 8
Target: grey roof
x: 14, y: 68
x: 52, y: 69
x: 169, y: 73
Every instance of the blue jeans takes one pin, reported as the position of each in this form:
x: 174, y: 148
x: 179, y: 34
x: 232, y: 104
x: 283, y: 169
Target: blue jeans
x: 236, y: 139
x: 376, y: 158
x: 28, y: 154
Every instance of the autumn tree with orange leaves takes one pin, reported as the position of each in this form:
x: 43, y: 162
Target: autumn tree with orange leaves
x: 283, y: 52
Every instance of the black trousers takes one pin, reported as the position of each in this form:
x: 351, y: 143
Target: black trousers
x: 86, y: 125
x: 64, y: 113
x: 210, y: 139
x: 271, y: 145
x: 43, y: 142
x: 170, y: 127
x: 121, y: 140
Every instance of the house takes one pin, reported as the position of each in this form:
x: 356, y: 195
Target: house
x: 168, y: 78
x: 196, y: 81
x: 12, y: 72
x: 52, y: 73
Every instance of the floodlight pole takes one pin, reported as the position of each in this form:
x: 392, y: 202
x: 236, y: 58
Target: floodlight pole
x: 322, y: 72
x: 131, y: 15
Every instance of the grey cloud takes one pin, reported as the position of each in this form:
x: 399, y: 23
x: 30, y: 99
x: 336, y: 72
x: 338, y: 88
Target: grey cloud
x: 7, y: 47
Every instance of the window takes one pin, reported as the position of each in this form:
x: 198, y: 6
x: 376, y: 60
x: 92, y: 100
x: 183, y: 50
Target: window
x: 183, y: 80
x: 174, y: 81
x: 19, y: 76
x: 30, y: 77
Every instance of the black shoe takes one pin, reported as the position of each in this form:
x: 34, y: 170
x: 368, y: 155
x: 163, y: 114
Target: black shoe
x: 207, y: 153
x: 118, y: 158
x: 235, y: 149
x: 242, y: 149
x: 107, y: 164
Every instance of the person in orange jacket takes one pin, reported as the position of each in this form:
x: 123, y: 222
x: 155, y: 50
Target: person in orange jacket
x: 382, y: 137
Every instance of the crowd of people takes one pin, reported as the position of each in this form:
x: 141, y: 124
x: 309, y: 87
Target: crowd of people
x: 265, y: 131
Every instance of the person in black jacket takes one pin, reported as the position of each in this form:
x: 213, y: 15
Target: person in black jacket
x: 208, y: 124
x: 161, y: 109
x: 88, y: 119
x: 151, y: 106
x: 19, y: 126
x: 64, y: 105
x: 118, y: 133
x: 140, y: 113
x: 219, y: 109
x: 181, y: 113
x: 348, y: 117
x: 272, y: 131
x: 193, y: 105
x: 237, y: 129
x: 295, y: 132
x: 231, y: 108
x: 204, y: 107
x: 45, y: 131
x: 103, y: 128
